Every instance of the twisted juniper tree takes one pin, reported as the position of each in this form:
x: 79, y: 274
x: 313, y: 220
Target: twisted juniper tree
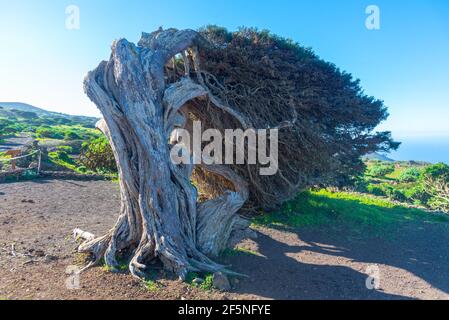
x: 247, y: 79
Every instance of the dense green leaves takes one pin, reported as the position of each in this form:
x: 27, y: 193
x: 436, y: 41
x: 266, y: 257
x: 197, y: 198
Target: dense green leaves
x: 380, y: 170
x: 275, y: 81
x: 97, y: 156
x: 436, y: 182
x: 412, y: 183
x: 409, y: 175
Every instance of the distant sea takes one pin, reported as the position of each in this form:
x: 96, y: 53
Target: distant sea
x: 429, y: 149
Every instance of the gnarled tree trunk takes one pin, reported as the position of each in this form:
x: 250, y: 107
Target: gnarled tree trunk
x: 159, y: 216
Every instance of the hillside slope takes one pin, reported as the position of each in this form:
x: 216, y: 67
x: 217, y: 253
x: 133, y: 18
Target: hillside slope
x: 21, y: 111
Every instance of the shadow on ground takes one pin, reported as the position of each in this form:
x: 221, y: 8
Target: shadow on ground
x: 323, y: 262
x: 329, y: 262
x: 278, y: 276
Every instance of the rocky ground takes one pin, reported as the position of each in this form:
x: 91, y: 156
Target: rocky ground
x: 37, y: 254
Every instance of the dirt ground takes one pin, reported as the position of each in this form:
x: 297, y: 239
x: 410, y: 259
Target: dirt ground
x: 37, y: 250
x: 15, y: 143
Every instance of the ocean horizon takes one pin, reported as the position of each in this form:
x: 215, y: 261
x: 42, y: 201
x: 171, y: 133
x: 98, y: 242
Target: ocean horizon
x: 433, y: 149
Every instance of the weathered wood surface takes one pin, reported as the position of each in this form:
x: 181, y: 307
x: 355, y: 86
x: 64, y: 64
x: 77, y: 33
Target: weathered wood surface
x: 159, y: 216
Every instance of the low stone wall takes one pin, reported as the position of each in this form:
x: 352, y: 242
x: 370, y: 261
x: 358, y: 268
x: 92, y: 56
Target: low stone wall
x: 5, y: 175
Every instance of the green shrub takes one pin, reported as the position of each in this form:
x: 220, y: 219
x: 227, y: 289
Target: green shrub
x: 66, y: 132
x: 417, y: 195
x: 435, y: 180
x: 151, y: 285
x: 82, y: 169
x: 50, y: 133
x: 61, y: 155
x: 380, y: 170
x: 10, y: 126
x: 393, y: 193
x: 72, y: 135
x: 437, y: 171
x: 206, y: 285
x: 361, y: 184
x: 409, y: 175
x: 386, y: 190
x: 97, y: 155
x: 67, y: 149
x: 376, y: 190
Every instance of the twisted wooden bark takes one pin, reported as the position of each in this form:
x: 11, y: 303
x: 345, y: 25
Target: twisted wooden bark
x: 159, y: 215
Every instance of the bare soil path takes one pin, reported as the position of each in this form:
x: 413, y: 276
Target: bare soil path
x: 36, y: 247
x: 17, y: 142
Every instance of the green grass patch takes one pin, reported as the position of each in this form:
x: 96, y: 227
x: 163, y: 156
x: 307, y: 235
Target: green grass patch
x: 123, y: 266
x: 206, y: 285
x: 151, y: 285
x: 357, y: 212
x: 62, y: 158
x: 66, y: 132
x: 106, y: 268
x: 237, y: 252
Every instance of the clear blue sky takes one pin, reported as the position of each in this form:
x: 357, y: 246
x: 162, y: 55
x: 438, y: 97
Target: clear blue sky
x: 405, y: 63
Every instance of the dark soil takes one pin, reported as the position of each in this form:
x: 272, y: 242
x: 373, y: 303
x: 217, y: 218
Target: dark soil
x: 37, y: 247
x: 15, y: 143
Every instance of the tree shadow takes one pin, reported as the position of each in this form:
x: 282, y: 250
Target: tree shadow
x: 409, y: 242
x: 275, y: 275
x: 418, y: 248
